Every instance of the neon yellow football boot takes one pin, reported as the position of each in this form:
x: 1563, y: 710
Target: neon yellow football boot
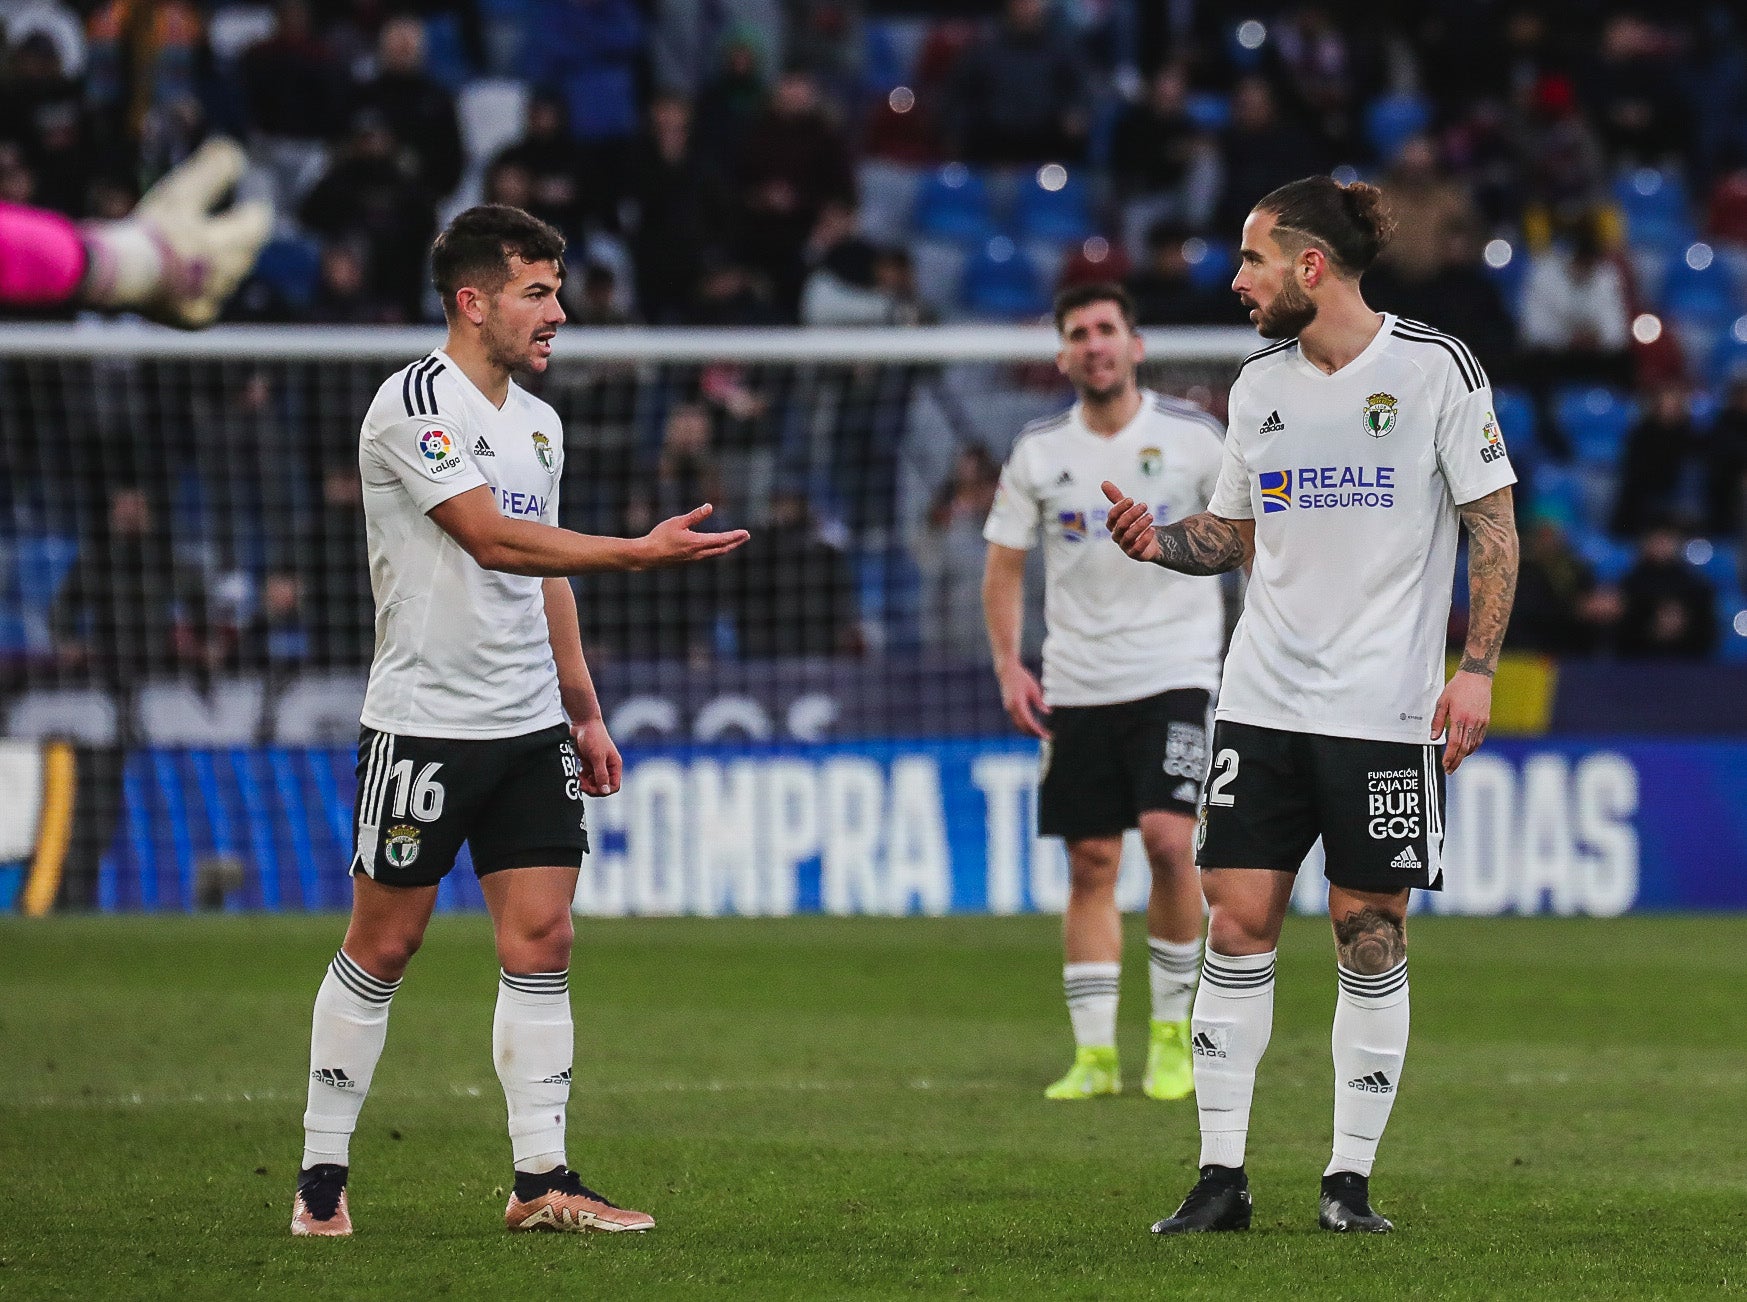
x: 1170, y: 1072
x: 1094, y: 1072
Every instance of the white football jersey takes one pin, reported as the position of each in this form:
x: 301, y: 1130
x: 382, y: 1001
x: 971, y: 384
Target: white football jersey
x: 461, y: 651
x: 1353, y: 480
x: 1114, y: 630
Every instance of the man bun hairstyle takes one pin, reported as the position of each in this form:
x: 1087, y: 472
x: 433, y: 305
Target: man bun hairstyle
x: 476, y: 248
x: 1075, y: 297
x: 1350, y: 223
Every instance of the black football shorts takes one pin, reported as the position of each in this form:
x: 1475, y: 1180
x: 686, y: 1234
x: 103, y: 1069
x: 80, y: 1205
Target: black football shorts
x: 1105, y: 765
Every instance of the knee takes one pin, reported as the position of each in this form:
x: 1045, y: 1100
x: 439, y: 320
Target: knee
x: 538, y: 944
x: 1370, y: 941
x: 1092, y: 872
x: 1231, y: 932
x: 384, y: 954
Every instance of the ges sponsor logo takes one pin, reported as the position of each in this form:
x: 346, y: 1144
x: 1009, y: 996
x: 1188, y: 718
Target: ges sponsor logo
x: 438, y: 450
x: 1313, y: 488
x: 1494, y: 449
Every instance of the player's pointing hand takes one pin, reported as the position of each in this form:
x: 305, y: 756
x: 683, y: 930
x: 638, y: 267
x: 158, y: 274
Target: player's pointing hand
x: 676, y: 540
x: 1131, y: 524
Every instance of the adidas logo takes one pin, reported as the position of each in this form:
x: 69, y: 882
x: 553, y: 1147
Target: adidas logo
x: 335, y: 1077
x: 482, y: 448
x: 562, y: 1078
x: 1273, y: 425
x: 1406, y: 859
x: 1376, y: 1083
x: 1203, y: 1044
x: 1187, y: 792
x: 1066, y: 477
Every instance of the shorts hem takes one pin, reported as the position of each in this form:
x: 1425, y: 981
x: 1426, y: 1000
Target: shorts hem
x: 1291, y: 870
x: 551, y: 856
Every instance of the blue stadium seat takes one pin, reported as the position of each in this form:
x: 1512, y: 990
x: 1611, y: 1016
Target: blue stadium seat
x: 999, y: 281
x: 953, y: 204
x: 1392, y: 120
x: 1610, y: 558
x: 1557, y: 493
x: 1595, y: 422
x: 290, y: 267
x: 38, y: 565
x: 1215, y: 266
x: 1655, y: 207
x: 1062, y: 215
x: 1208, y: 111
x: 1516, y: 421
x: 1698, y: 284
x: 1508, y: 279
x: 445, y: 56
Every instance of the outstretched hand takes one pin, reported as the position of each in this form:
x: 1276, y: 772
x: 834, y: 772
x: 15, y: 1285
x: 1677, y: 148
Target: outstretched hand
x: 675, y: 541
x: 1131, y: 524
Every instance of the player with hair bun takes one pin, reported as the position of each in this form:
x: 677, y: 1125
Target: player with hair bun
x: 1359, y: 444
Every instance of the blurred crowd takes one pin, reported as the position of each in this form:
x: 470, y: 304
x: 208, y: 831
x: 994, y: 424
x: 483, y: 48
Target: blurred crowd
x: 1570, y: 178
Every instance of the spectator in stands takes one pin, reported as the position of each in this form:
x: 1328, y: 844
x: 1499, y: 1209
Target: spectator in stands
x: 591, y: 298
x: 41, y: 110
x: 278, y: 636
x: 17, y: 181
x: 1164, y: 291
x: 1262, y: 151
x: 793, y: 593
x: 552, y: 165
x: 295, y: 85
x: 1726, y: 211
x: 1560, y: 608
x: 1453, y: 292
x: 370, y: 194
x: 732, y: 97
x: 1668, y: 606
x: 792, y: 162
x: 334, y: 574
x: 842, y: 286
x: 342, y: 293
x: 1164, y: 166
x: 418, y: 109
x: 669, y: 211
x: 729, y: 294
x: 1657, y: 451
x: 1725, y: 455
x: 1575, y: 324
x: 1426, y: 201
x: 1559, y: 161
x: 1319, y: 62
x: 130, y: 608
x: 591, y: 52
x: 1020, y: 95
x: 1633, y: 88
x: 950, y: 553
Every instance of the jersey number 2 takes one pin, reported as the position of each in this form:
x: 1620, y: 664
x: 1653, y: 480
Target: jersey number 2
x: 1225, y: 764
x: 426, y: 793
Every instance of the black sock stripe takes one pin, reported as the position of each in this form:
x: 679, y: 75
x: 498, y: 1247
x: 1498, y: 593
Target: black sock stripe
x: 1255, y: 982
x: 536, y: 983
x: 371, y: 994
x: 346, y: 961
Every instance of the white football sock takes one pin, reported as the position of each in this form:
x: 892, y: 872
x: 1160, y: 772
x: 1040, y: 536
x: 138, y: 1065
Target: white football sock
x: 1370, y: 1044
x: 349, y: 1028
x: 1233, y: 1018
x: 1171, y: 969
x: 1091, y: 989
x: 533, y: 1044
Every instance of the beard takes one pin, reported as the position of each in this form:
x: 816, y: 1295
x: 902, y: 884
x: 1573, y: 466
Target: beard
x: 507, y: 350
x: 1291, y: 310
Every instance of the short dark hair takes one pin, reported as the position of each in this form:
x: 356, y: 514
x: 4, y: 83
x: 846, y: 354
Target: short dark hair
x: 1351, y: 223
x: 1075, y: 297
x: 476, y: 248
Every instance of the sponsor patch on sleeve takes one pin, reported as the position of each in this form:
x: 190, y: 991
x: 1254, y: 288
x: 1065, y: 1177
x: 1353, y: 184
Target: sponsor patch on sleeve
x: 442, y: 458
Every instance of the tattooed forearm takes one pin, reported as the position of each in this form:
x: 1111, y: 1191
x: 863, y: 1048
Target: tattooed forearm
x: 1201, y: 544
x: 1370, y: 942
x: 1492, y: 568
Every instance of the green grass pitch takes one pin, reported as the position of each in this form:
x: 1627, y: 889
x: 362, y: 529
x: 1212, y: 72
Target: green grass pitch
x: 851, y: 1108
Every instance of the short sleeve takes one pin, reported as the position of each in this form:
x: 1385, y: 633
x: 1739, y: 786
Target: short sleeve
x: 1013, y: 519
x: 427, y: 455
x: 550, y: 514
x: 1470, y: 446
x: 1231, y: 491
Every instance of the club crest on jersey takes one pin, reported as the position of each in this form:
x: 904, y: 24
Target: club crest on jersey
x: 1276, y: 490
x: 1380, y: 411
x: 402, y: 847
x: 438, y: 450
x: 543, y: 449
x: 1152, y: 461
x: 1494, y: 448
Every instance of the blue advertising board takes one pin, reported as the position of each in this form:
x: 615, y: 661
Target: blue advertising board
x: 1550, y: 826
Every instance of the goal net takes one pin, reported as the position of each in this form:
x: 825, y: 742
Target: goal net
x: 184, y: 602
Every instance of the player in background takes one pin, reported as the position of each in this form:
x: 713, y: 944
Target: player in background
x: 1358, y: 444
x: 480, y: 721
x: 171, y: 259
x: 1130, y: 660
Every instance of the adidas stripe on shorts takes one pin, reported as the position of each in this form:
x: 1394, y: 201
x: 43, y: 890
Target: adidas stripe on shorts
x: 1377, y: 805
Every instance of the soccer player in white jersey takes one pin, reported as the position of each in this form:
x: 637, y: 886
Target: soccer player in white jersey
x: 1129, y: 662
x: 480, y: 721
x: 1359, y: 443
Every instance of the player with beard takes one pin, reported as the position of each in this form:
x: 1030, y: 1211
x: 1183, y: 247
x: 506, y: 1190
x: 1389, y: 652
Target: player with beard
x: 480, y: 722
x: 1359, y: 445
x: 1130, y: 659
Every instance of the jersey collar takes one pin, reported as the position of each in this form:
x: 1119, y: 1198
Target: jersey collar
x: 1379, y: 341
x: 1077, y: 414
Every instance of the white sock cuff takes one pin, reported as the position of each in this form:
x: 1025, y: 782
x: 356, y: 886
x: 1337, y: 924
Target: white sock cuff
x: 372, y: 990
x: 1380, y: 991
x: 1180, y: 958
x: 535, y: 987
x: 1238, y: 976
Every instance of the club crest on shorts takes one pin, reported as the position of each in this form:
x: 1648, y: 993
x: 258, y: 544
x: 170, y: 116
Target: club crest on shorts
x: 1380, y: 412
x: 401, y: 849
x: 543, y: 449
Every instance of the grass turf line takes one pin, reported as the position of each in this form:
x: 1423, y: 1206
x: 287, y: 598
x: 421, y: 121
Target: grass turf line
x: 852, y: 1108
